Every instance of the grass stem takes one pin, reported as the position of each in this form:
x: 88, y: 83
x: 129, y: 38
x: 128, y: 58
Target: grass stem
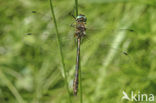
x: 76, y: 7
x: 60, y: 49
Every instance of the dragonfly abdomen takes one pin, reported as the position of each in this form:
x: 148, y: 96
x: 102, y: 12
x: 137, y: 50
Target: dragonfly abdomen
x: 75, y: 84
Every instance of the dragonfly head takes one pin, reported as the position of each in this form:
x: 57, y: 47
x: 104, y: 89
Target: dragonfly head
x: 81, y: 18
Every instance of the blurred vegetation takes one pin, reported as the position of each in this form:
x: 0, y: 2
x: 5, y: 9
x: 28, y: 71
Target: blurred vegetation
x: 30, y: 66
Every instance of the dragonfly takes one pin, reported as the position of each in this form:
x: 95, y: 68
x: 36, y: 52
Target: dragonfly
x: 91, y: 29
x: 80, y: 34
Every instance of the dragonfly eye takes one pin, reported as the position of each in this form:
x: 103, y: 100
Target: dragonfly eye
x: 81, y: 18
x: 84, y: 19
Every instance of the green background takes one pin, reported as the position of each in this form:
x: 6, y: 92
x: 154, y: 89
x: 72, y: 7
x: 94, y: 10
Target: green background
x: 30, y: 64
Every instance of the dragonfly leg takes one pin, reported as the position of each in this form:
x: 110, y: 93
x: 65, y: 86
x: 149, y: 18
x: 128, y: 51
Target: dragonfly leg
x: 71, y: 14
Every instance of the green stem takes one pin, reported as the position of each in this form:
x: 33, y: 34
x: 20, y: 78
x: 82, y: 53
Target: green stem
x: 80, y: 79
x: 76, y: 7
x: 60, y: 49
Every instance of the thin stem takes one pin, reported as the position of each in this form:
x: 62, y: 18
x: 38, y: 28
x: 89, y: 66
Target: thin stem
x: 76, y: 7
x: 79, y: 63
x: 60, y: 49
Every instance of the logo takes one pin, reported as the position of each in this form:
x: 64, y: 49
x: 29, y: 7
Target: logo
x: 137, y: 96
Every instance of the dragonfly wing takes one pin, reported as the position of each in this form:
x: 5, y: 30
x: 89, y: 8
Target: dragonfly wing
x: 104, y: 46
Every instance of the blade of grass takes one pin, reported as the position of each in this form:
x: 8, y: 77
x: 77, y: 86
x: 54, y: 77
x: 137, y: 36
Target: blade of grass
x: 11, y: 87
x: 76, y: 7
x: 61, y: 53
x: 60, y: 49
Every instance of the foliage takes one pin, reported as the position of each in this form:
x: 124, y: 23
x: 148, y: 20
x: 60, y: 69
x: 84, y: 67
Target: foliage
x: 29, y: 55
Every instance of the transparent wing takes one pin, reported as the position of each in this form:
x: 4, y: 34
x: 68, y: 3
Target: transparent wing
x: 103, y: 41
x: 97, y: 34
